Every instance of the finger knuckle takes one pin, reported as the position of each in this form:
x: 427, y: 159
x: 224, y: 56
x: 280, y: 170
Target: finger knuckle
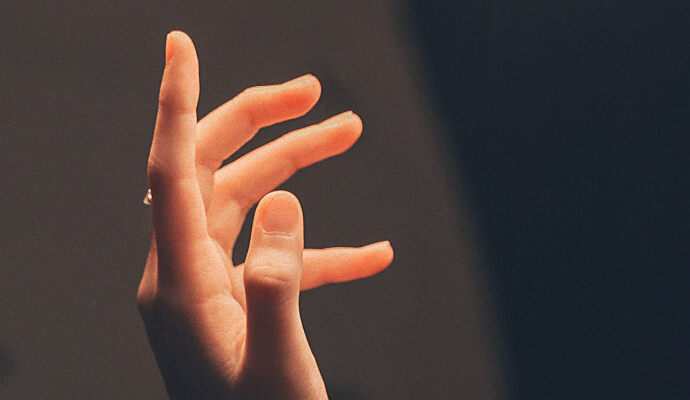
x: 156, y: 172
x: 167, y: 101
x: 273, y: 278
x: 171, y: 102
x: 248, y: 102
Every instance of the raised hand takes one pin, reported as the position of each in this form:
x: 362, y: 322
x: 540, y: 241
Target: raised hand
x: 220, y: 330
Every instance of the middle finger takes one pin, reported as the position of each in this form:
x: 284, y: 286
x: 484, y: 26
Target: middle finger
x: 241, y: 184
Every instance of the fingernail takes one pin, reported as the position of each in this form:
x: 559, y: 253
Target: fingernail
x: 168, y: 48
x: 280, y: 216
x: 340, y: 118
x: 385, y: 243
x: 302, y: 79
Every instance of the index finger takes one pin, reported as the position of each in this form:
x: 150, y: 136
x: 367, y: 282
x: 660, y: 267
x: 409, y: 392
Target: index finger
x: 178, y: 212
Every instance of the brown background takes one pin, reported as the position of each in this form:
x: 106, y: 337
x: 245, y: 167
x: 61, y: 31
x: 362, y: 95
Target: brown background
x: 78, y: 88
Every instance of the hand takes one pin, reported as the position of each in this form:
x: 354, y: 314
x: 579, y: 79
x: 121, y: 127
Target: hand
x: 220, y: 330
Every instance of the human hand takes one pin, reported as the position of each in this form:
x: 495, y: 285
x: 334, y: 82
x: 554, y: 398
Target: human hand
x: 219, y: 330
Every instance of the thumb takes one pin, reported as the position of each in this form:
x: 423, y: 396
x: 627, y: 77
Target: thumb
x: 272, y: 273
x: 278, y: 360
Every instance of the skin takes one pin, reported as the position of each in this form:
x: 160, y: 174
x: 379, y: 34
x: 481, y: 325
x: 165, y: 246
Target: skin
x: 220, y: 330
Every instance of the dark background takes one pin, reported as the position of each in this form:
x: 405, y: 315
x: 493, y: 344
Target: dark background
x: 570, y: 120
x: 528, y: 161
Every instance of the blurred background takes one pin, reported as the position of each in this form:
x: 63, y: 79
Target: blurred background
x: 528, y: 160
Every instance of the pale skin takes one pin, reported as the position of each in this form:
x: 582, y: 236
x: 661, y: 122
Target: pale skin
x: 220, y: 330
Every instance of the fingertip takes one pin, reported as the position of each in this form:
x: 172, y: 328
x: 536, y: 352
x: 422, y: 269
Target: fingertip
x: 348, y: 118
x: 348, y: 127
x: 168, y: 49
x: 390, y: 251
x: 179, y: 91
x: 279, y: 213
x: 386, y: 252
x: 357, y: 123
x: 307, y: 79
x: 179, y: 37
x: 305, y: 92
x: 287, y: 196
x: 178, y: 45
x: 314, y: 81
x: 376, y: 257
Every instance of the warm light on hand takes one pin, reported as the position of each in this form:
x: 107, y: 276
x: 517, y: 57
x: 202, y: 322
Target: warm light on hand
x: 234, y: 331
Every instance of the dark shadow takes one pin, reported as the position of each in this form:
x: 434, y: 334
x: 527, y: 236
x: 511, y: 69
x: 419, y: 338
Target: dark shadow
x: 569, y: 121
